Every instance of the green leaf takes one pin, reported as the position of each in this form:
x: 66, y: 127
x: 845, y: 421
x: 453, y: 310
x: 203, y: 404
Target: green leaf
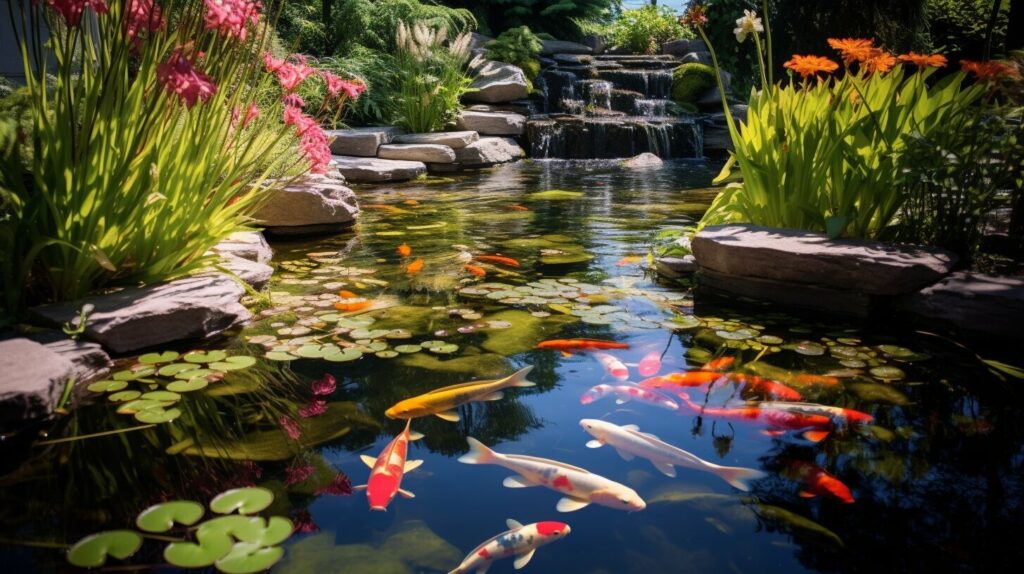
x: 1015, y: 372
x: 162, y: 517
x: 156, y: 358
x: 212, y: 546
x: 205, y: 357
x: 246, y: 558
x: 836, y: 225
x: 92, y: 551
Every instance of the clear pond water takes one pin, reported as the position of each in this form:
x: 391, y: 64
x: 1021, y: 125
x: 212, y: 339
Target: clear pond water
x: 936, y: 476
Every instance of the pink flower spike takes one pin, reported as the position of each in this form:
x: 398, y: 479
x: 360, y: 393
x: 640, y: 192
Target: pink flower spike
x: 340, y: 486
x: 297, y: 473
x: 71, y: 10
x: 178, y: 76
x: 325, y: 385
x: 142, y: 16
x: 271, y: 63
x: 314, y: 409
x: 231, y: 18
x: 291, y: 428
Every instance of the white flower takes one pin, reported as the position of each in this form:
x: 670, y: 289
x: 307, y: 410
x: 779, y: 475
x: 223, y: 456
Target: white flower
x: 748, y: 24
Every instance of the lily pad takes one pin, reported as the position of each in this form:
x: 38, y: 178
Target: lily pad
x: 411, y: 348
x: 213, y: 545
x: 233, y: 363
x: 446, y: 349
x: 123, y: 396
x: 247, y: 558
x: 134, y: 374
x: 175, y: 368
x: 139, y: 405
x: 887, y: 373
x: 280, y: 356
x: 193, y: 373
x: 157, y: 416
x: 386, y: 354
x: 249, y: 500
x: 809, y: 348
x: 157, y: 358
x: 344, y: 356
x: 162, y: 517
x: 92, y: 551
x: 107, y: 386
x: 188, y: 386
x: 162, y: 396
x: 205, y: 357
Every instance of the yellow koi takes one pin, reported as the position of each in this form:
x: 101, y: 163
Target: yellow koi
x: 443, y: 402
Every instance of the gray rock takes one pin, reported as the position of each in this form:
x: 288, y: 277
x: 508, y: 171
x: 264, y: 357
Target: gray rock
x: 454, y: 140
x: 33, y: 380
x: 426, y: 153
x: 308, y: 205
x: 489, y: 151
x: 683, y: 47
x: 562, y: 47
x: 497, y: 82
x: 717, y: 139
x: 372, y: 170
x: 249, y: 245
x: 675, y: 266
x: 710, y: 100
x: 478, y: 41
x: 135, y: 318
x: 362, y: 142
x: 646, y: 159
x: 597, y: 44
x: 572, y: 58
x: 806, y: 258
x: 256, y: 274
x: 699, y: 57
x: 492, y: 123
x: 88, y: 360
x: 973, y: 303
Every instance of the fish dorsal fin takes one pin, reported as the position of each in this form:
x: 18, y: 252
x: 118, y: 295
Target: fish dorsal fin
x: 523, y: 559
x: 368, y: 460
x: 633, y: 428
x: 513, y: 524
x: 547, y: 461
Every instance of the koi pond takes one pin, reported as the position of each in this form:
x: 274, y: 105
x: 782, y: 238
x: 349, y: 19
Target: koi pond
x: 763, y: 441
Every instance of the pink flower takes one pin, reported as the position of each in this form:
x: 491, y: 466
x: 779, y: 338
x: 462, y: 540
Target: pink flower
x: 340, y: 486
x: 271, y: 63
x: 325, y: 385
x: 297, y: 473
x: 294, y: 101
x: 292, y: 75
x: 303, y: 522
x: 290, y: 427
x: 250, y: 115
x: 314, y: 409
x: 230, y: 18
x: 336, y: 86
x: 142, y: 16
x: 71, y: 10
x: 312, y: 139
x: 178, y: 76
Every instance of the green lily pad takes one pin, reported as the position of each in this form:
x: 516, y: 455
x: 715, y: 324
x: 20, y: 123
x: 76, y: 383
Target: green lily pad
x: 809, y: 348
x: 205, y: 357
x: 175, y: 368
x: 92, y: 551
x: 386, y: 354
x: 162, y: 517
x: 895, y: 351
x: 134, y: 374
x: 737, y: 335
x: 233, y: 363
x: 411, y: 348
x: 193, y: 373
x: 684, y: 322
x: 157, y: 358
x: 139, y: 405
x: 246, y: 558
x: 398, y: 334
x: 887, y: 373
x: 344, y: 356
x: 770, y: 340
x: 122, y: 396
x: 554, y: 195
x: 107, y: 386
x: 243, y: 500
x: 446, y: 349
x: 316, y: 351
x: 565, y: 256
x: 157, y: 416
x: 162, y: 396
x: 280, y: 356
x: 368, y: 333
x: 213, y: 545
x: 188, y: 386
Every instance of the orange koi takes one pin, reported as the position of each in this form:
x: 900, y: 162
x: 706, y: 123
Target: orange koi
x: 720, y: 364
x: 415, y: 267
x: 404, y: 250
x: 819, y: 380
x: 410, y: 202
x: 629, y: 260
x: 580, y: 344
x: 475, y: 270
x: 353, y: 304
x: 347, y: 294
x: 818, y: 482
x: 767, y: 387
x: 384, y: 207
x: 497, y: 259
x: 688, y: 379
x: 813, y: 427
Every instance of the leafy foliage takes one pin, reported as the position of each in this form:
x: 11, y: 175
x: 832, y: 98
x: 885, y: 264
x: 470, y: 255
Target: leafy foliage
x: 644, y: 30
x: 690, y: 81
x: 560, y: 18
x: 959, y: 27
x: 430, y: 77
x: 372, y: 24
x: 519, y: 47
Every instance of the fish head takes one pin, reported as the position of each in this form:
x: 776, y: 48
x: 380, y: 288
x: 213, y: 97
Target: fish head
x: 622, y: 498
x: 596, y: 428
x: 552, y: 530
x: 406, y: 409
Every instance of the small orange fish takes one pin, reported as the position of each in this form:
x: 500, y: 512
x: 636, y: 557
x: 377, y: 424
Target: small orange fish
x: 497, y: 259
x: 629, y: 260
x: 404, y: 250
x: 347, y: 294
x: 410, y: 202
x: 720, y: 364
x: 415, y: 267
x: 475, y: 270
x: 517, y: 207
x: 353, y: 304
x: 580, y: 344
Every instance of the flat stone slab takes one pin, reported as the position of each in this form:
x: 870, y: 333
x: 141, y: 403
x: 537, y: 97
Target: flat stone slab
x: 256, y: 274
x: 675, y: 266
x: 975, y: 303
x: 362, y: 142
x: 805, y: 258
x: 497, y: 82
x: 549, y: 47
x: 32, y: 382
x: 683, y: 47
x: 136, y: 318
x: 426, y: 153
x: 454, y: 140
x: 88, y: 360
x: 492, y: 123
x: 489, y: 151
x: 308, y: 204
x: 249, y: 245
x: 373, y: 170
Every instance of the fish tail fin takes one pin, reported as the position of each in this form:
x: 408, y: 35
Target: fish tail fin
x: 739, y: 477
x: 478, y: 453
x: 518, y: 378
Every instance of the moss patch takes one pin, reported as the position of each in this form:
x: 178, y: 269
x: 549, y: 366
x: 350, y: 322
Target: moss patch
x: 690, y: 81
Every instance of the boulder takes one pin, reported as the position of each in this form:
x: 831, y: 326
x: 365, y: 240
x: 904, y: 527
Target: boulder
x: 805, y: 258
x: 372, y: 170
x: 492, y: 123
x: 597, y: 44
x: 255, y: 274
x: 699, y: 57
x: 800, y: 296
x: 426, y: 153
x: 683, y: 47
x: 308, y: 206
x: 88, y: 360
x: 454, y: 140
x: 33, y: 380
x: 562, y: 47
x: 249, y: 245
x: 362, y: 142
x: 522, y: 107
x: 711, y: 99
x: 497, y: 82
x: 478, y: 41
x: 136, y: 318
x: 646, y: 159
x: 973, y: 303
x: 489, y: 151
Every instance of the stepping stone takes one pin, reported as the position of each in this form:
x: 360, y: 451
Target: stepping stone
x: 489, y: 151
x: 427, y: 153
x: 497, y: 82
x: 33, y: 380
x: 309, y: 206
x: 88, y: 360
x: 454, y: 140
x: 249, y: 245
x: 987, y: 305
x: 675, y: 266
x: 362, y: 142
x: 255, y: 274
x: 372, y: 170
x: 572, y: 58
x: 492, y: 123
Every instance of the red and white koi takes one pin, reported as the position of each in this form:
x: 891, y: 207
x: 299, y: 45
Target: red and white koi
x: 839, y: 415
x: 614, y: 367
x: 649, y: 365
x: 626, y: 393
x: 817, y: 482
x: 388, y: 469
x: 813, y: 427
x: 578, y: 486
x: 519, y: 541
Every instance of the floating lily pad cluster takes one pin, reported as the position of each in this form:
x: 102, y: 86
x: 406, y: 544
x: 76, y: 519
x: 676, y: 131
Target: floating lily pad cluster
x: 150, y: 389
x: 236, y: 542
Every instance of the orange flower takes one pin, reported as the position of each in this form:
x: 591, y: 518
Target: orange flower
x: 990, y: 70
x: 924, y: 60
x: 852, y: 49
x: 811, y: 65
x: 878, y: 60
x: 695, y: 16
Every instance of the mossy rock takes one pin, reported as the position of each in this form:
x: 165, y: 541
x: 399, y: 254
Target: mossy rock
x: 690, y: 81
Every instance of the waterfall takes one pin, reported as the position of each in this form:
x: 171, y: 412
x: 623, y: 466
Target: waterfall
x: 609, y: 138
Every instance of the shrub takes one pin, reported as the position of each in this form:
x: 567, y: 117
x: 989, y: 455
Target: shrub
x: 519, y: 47
x: 959, y: 27
x: 372, y: 23
x: 558, y: 18
x: 430, y: 77
x: 644, y: 30
x: 690, y: 81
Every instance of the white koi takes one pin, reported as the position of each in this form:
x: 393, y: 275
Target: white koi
x: 626, y: 393
x: 519, y: 541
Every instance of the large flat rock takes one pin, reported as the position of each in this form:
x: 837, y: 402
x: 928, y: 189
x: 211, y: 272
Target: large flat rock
x: 489, y: 151
x: 683, y: 47
x: 88, y: 360
x: 497, y: 82
x: 308, y: 206
x: 136, y: 318
x: 373, y: 170
x: 254, y: 273
x: 549, y: 47
x: 492, y: 123
x: 32, y: 382
x: 454, y: 140
x: 805, y: 258
x: 249, y: 245
x: 423, y: 152
x: 361, y: 142
x: 973, y: 303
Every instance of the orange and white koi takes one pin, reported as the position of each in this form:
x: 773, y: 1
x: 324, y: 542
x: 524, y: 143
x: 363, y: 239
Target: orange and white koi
x: 352, y: 304
x: 580, y: 344
x: 388, y: 469
x: 414, y: 267
x: 626, y: 393
x: 839, y: 415
x: 817, y: 482
x: 404, y: 250
x: 443, y: 402
x: 629, y: 260
x: 766, y: 387
x: 613, y: 366
x: 629, y: 442
x: 650, y: 364
x: 813, y: 427
x: 497, y: 259
x: 519, y: 541
x: 578, y: 486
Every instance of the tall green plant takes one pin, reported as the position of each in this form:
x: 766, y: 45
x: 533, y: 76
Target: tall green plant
x: 431, y: 77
